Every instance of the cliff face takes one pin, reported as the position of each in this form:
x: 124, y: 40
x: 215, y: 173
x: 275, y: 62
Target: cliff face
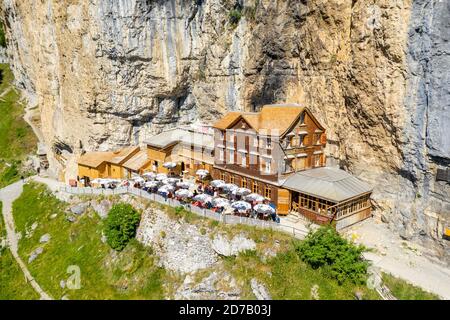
x: 375, y: 73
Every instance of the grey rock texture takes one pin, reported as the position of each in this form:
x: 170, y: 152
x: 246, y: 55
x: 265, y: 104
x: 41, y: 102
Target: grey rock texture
x: 79, y: 209
x: 101, y: 207
x: 217, y: 285
x: 45, y: 238
x: 35, y: 254
x: 259, y: 290
x: 225, y: 247
x: 106, y: 74
x: 181, y: 246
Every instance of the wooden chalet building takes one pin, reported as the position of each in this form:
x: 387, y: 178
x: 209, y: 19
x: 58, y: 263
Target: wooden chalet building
x: 191, y: 148
x: 279, y: 153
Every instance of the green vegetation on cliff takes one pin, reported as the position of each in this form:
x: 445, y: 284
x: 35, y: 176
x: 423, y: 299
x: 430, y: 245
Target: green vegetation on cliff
x: 17, y: 139
x: 13, y: 285
x: 134, y: 272
x: 104, y: 273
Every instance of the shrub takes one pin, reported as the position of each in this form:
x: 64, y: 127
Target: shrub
x: 121, y: 225
x: 339, y: 258
x: 234, y: 16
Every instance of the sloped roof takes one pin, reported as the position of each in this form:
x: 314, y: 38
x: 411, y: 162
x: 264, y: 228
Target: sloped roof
x: 327, y: 183
x: 227, y: 120
x: 137, y: 161
x: 190, y: 137
x: 118, y: 157
x: 96, y: 158
x: 273, y: 119
x: 165, y: 138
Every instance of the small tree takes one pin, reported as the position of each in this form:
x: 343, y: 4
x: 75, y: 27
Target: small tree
x: 121, y: 225
x: 339, y: 258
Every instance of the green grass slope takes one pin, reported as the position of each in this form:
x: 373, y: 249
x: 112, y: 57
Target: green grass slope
x: 13, y: 285
x: 17, y: 139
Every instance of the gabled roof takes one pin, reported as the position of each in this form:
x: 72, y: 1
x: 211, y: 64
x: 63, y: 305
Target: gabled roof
x: 273, y: 119
x: 96, y: 158
x: 137, y: 161
x: 331, y: 184
x: 122, y: 155
x: 227, y: 120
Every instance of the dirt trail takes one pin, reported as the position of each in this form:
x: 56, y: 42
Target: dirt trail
x: 7, y: 197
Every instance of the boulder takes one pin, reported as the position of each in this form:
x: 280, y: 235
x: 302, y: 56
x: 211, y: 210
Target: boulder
x: 35, y: 254
x: 102, y: 208
x: 79, y: 209
x: 71, y: 218
x: 45, y: 238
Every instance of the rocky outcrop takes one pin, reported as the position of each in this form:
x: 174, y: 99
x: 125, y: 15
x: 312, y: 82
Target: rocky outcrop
x: 181, y: 246
x: 227, y: 248
x: 375, y: 73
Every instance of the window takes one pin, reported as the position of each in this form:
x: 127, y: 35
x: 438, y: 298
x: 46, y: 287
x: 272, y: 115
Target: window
x: 268, y: 167
x: 317, y: 138
x: 255, y: 187
x: 302, y: 118
x: 232, y: 179
x: 267, y: 192
x: 221, y: 155
x: 300, y: 163
x: 288, y: 165
x: 265, y: 166
x: 221, y: 135
x: 303, y: 140
x: 222, y: 176
x: 243, y: 160
x: 269, y: 143
x: 255, y: 142
x: 244, y: 183
x: 317, y: 161
x: 231, y: 160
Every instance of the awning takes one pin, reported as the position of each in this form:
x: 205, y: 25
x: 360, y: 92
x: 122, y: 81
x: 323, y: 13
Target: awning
x: 327, y: 183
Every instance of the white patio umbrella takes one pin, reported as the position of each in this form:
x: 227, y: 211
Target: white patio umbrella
x: 161, y: 176
x: 217, y: 183
x: 149, y: 175
x: 241, y: 205
x: 242, y: 191
x: 171, y: 180
x: 184, y: 184
x: 151, y: 184
x: 166, y: 188
x: 230, y: 187
x: 97, y: 181
x: 138, y: 180
x: 183, y: 193
x: 202, y: 173
x: 264, y: 208
x: 220, y: 202
x: 169, y: 165
x: 254, y: 197
x: 202, y: 198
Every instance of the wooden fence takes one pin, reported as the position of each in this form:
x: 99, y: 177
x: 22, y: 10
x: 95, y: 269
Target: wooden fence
x: 227, y: 219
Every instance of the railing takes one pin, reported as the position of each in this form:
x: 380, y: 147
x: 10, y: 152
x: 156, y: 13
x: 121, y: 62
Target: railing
x: 227, y: 219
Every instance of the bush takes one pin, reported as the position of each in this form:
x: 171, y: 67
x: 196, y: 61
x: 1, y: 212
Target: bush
x: 235, y: 15
x: 339, y: 258
x: 121, y: 225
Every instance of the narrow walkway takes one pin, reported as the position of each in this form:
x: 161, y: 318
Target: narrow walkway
x: 400, y: 258
x: 7, y: 197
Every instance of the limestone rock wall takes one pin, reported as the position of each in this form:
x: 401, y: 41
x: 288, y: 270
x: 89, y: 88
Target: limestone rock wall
x: 106, y: 73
